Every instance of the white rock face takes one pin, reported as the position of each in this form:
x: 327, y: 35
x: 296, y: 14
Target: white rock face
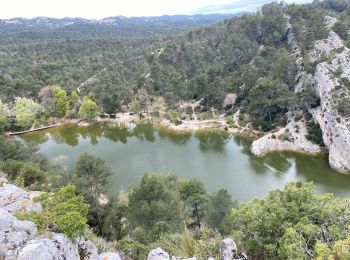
x: 228, y: 249
x: 289, y: 138
x: 333, y: 69
x: 328, y: 79
x: 158, y: 254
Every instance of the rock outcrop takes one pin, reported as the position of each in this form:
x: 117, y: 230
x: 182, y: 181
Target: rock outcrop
x: 20, y: 240
x: 289, y: 138
x: 228, y: 250
x: 158, y: 254
x: 331, y: 83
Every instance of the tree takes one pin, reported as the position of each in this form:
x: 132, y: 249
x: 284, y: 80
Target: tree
x: 290, y: 220
x: 61, y: 101
x: 27, y: 112
x: 217, y: 211
x: 91, y: 178
x: 74, y: 99
x: 88, y: 109
x: 63, y: 211
x: 135, y: 106
x: 3, y: 118
x: 268, y: 98
x: 155, y: 200
x: 45, y: 96
x: 340, y: 250
x: 193, y: 194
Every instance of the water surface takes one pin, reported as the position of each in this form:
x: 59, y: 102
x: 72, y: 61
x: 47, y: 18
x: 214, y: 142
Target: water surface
x: 217, y: 159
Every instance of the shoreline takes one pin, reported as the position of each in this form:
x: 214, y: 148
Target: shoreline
x: 185, y: 127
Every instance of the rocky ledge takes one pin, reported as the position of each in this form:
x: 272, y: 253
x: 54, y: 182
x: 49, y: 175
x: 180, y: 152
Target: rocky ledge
x: 20, y: 239
x: 289, y: 138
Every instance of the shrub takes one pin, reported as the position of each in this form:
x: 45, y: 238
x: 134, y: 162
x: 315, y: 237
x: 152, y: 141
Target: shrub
x: 315, y: 133
x: 63, y: 211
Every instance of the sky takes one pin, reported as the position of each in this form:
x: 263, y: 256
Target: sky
x: 97, y: 9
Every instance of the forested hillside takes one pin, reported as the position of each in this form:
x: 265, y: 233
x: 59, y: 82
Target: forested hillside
x: 268, y: 70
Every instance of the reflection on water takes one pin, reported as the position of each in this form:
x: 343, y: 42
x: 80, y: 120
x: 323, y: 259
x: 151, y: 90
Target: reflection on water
x: 216, y: 158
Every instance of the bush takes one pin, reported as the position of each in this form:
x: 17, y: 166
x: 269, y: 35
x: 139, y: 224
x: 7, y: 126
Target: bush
x: 288, y: 222
x: 24, y: 173
x: 230, y: 122
x: 133, y: 249
x: 63, y: 212
x: 315, y: 133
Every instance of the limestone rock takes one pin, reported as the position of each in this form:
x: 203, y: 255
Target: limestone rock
x: 13, y: 198
x: 58, y: 248
x: 290, y: 138
x: 158, y: 254
x: 87, y: 250
x: 228, y: 249
x: 328, y: 79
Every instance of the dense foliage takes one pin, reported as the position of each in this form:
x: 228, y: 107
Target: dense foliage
x: 63, y: 211
x: 289, y: 222
x: 244, y: 55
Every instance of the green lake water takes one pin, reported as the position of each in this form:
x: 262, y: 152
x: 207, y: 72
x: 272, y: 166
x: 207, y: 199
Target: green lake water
x: 217, y: 159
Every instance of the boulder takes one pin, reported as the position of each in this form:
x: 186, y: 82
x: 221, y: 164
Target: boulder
x: 228, y: 249
x: 158, y: 254
x: 14, y: 233
x: 58, y: 248
x: 87, y: 250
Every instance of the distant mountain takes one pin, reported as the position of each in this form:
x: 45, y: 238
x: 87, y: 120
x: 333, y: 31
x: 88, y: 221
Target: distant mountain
x: 239, y: 6
x: 182, y: 22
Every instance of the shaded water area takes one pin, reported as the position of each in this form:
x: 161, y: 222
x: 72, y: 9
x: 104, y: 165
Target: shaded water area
x: 216, y: 158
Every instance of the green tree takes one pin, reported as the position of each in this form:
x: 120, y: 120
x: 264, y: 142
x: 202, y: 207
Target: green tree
x: 88, y: 109
x: 267, y: 99
x: 91, y: 178
x: 3, y: 118
x: 288, y: 222
x: 27, y: 112
x: 155, y: 199
x: 135, y: 106
x: 340, y: 250
x: 63, y: 211
x: 193, y: 194
x: 61, y: 101
x: 74, y: 99
x: 217, y: 211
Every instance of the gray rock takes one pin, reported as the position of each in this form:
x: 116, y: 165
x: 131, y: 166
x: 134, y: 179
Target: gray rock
x: 109, y: 256
x: 58, y: 248
x: 87, y: 249
x: 158, y: 254
x: 13, y: 198
x: 228, y: 249
x: 15, y: 233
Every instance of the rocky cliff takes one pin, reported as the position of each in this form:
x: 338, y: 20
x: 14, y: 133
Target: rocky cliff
x: 330, y: 81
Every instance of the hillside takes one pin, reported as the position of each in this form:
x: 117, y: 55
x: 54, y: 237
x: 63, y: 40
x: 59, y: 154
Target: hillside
x: 285, y: 66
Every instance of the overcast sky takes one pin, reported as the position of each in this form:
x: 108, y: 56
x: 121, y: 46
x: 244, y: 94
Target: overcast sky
x: 97, y: 9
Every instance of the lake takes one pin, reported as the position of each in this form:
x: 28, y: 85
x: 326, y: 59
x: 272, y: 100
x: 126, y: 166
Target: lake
x: 216, y: 158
